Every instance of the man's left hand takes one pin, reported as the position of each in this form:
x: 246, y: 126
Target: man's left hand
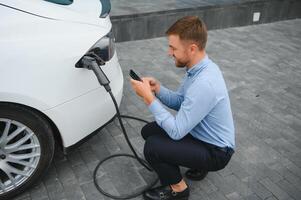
x: 143, y: 89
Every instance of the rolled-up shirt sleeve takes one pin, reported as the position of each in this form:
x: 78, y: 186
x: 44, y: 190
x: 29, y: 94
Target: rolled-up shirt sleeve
x: 198, y: 102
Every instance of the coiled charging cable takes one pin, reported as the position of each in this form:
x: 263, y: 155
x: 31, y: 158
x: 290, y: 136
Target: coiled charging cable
x: 89, y: 62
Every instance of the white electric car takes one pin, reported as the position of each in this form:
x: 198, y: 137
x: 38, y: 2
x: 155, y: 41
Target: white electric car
x: 44, y: 98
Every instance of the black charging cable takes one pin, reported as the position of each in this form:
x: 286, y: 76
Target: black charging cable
x: 90, y: 62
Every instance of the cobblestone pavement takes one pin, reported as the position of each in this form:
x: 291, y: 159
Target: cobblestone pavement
x: 262, y: 68
x: 125, y: 7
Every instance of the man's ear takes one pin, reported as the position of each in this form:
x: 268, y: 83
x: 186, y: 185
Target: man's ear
x: 193, y: 48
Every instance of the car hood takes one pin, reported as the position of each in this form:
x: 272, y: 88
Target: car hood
x: 80, y: 11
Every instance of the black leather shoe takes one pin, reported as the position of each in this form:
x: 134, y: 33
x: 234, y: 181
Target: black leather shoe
x: 195, y: 174
x: 165, y: 193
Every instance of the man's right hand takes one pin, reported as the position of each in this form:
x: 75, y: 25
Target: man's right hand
x: 155, y: 84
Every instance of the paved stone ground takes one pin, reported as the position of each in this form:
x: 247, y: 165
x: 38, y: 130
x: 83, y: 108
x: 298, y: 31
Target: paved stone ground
x: 125, y: 7
x: 262, y: 68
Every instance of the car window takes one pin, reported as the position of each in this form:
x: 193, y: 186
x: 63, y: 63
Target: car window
x: 62, y: 2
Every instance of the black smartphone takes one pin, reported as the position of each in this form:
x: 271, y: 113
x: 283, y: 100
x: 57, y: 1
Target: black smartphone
x: 135, y: 76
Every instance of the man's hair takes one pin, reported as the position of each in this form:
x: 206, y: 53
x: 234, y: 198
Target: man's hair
x: 190, y: 28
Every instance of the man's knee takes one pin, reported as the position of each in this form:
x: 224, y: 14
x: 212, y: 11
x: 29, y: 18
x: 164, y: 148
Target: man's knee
x: 147, y: 130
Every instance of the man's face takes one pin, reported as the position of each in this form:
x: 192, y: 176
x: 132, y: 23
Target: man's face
x: 179, y: 50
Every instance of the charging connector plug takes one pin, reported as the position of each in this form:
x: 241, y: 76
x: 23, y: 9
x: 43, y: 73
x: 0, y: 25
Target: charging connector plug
x: 91, y: 64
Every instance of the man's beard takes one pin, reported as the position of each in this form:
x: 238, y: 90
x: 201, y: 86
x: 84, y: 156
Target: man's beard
x: 180, y: 64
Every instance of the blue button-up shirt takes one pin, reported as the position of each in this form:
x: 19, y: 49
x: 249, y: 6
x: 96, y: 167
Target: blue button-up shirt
x: 203, y: 107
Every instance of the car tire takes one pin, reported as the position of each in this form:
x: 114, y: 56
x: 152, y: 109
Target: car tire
x: 26, y: 148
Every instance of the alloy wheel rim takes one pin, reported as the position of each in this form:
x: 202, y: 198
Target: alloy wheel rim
x: 19, y: 154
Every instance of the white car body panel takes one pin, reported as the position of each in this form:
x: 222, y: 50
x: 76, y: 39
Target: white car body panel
x: 37, y: 67
x: 96, y: 108
x: 80, y: 11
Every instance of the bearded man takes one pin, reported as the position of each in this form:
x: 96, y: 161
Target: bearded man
x: 201, y: 135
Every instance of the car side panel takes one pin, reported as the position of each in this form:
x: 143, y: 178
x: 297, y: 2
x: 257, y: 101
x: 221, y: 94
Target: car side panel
x: 83, y: 115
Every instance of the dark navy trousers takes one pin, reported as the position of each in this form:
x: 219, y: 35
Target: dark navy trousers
x: 165, y: 155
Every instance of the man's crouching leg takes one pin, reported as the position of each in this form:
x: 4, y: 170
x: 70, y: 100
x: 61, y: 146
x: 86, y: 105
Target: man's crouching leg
x: 173, y: 185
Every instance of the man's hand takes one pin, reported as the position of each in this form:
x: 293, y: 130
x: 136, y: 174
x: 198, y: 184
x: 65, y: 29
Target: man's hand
x: 143, y: 89
x: 154, y: 84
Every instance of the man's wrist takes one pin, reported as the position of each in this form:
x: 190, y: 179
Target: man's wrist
x: 149, y: 99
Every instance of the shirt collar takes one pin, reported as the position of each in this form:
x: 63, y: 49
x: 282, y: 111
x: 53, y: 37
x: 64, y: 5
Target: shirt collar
x: 198, y: 67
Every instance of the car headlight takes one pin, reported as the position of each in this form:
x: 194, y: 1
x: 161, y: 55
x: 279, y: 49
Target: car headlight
x: 106, y: 8
x: 103, y: 49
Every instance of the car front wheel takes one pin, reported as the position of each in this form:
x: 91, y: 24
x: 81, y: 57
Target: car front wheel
x: 26, y: 148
